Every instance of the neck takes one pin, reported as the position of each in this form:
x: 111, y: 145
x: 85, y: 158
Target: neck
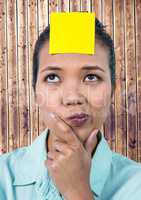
x: 50, y: 140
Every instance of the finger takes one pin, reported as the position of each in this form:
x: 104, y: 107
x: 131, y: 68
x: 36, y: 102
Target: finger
x: 50, y: 155
x: 63, y: 148
x: 91, y: 142
x: 60, y: 129
x: 53, y: 126
x: 54, y: 155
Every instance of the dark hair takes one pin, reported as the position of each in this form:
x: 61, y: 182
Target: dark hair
x: 100, y: 33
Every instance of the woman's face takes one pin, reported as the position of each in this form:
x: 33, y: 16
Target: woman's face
x: 73, y: 89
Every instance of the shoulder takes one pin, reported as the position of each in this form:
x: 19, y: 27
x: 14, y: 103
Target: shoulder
x: 125, y: 178
x: 124, y: 164
x: 7, y: 161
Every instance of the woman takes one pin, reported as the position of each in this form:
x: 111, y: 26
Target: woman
x: 71, y: 159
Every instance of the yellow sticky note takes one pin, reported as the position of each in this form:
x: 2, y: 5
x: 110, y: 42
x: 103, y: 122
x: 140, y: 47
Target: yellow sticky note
x: 72, y: 32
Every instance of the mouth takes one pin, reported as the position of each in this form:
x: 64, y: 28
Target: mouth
x: 78, y: 119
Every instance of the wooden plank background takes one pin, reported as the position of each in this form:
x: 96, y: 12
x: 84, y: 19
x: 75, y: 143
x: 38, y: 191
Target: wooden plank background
x: 21, y: 21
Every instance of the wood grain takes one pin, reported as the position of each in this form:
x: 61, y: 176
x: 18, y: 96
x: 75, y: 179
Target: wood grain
x: 130, y: 80
x: 43, y: 21
x: 20, y: 24
x: 120, y: 93
x: 96, y: 6
x: 64, y: 6
x: 3, y: 81
x: 138, y: 71
x: 13, y: 83
x: 22, y: 51
x: 32, y: 36
x: 75, y: 5
x: 85, y: 5
x: 109, y: 126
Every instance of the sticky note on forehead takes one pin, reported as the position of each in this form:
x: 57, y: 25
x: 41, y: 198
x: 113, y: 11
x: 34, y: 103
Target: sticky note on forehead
x: 72, y: 32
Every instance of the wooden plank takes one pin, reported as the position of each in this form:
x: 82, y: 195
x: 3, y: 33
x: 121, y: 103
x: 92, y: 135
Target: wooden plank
x: 107, y: 10
x: 138, y: 65
x: 13, y: 79
x: 63, y: 6
x: 131, y: 80
x: 85, y: 5
x: 120, y: 93
x: 53, y: 7
x: 42, y: 14
x: 109, y: 126
x: 42, y: 23
x: 3, y: 81
x: 74, y: 5
x: 96, y: 7
x: 23, y: 73
x: 32, y: 36
x: 12, y: 75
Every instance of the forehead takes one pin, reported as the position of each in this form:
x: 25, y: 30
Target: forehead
x: 100, y: 58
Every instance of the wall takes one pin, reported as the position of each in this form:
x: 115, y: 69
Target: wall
x: 21, y: 21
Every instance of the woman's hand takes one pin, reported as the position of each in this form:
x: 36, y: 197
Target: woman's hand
x: 69, y: 162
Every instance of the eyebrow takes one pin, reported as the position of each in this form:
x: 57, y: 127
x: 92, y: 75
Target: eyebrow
x: 86, y: 67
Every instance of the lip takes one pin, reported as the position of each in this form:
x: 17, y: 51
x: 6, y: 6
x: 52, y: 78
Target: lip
x: 78, y: 119
x: 78, y: 116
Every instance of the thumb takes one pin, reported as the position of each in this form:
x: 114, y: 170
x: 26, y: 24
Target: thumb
x: 91, y: 141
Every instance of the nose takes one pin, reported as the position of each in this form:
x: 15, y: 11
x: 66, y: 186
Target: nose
x: 73, y: 98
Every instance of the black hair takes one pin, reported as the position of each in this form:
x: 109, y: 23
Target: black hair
x: 100, y: 33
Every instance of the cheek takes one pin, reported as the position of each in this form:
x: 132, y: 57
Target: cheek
x: 99, y: 97
x: 100, y: 101
x: 47, y: 99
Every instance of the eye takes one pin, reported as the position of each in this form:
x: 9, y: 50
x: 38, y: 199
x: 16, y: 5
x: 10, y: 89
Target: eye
x: 51, y: 77
x: 93, y: 77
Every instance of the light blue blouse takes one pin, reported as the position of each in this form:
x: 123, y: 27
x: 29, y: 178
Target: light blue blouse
x: 23, y: 175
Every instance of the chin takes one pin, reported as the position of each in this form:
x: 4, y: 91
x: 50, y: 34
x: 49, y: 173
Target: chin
x: 82, y: 133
